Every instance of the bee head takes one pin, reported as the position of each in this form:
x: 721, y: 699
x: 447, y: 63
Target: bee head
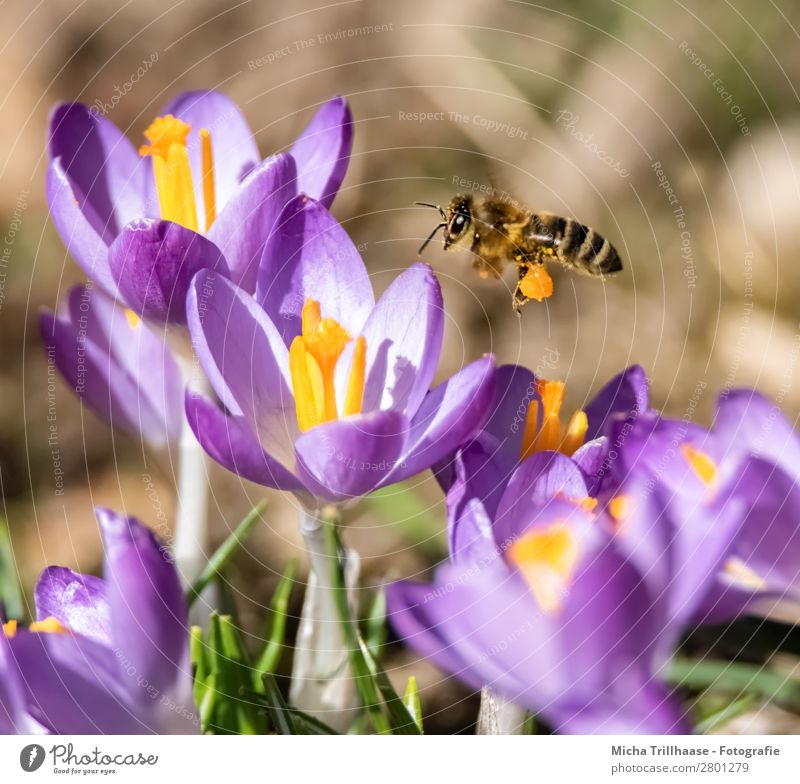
x: 456, y: 221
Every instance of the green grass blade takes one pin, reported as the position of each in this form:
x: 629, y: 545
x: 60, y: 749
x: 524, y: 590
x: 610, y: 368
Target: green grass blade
x: 224, y: 552
x: 281, y: 716
x: 271, y: 654
x: 413, y: 703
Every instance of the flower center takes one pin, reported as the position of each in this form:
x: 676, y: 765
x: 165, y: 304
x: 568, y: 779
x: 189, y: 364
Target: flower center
x: 173, y: 175
x: 546, y: 559
x: 49, y: 625
x: 549, y: 434
x: 313, y: 356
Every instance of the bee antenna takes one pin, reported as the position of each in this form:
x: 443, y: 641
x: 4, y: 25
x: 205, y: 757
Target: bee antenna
x: 430, y: 236
x: 432, y: 206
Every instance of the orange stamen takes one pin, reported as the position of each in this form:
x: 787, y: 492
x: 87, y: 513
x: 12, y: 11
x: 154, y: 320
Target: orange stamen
x: 354, y: 396
x: 209, y: 200
x: 701, y: 463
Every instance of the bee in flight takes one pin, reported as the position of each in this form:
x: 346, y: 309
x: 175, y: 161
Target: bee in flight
x: 497, y: 231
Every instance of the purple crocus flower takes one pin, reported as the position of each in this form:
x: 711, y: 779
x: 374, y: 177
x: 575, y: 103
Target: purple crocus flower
x: 526, y: 421
x: 325, y: 391
x: 197, y: 196
x: 124, y: 373
x: 106, y: 655
x: 539, y: 603
x: 734, y: 491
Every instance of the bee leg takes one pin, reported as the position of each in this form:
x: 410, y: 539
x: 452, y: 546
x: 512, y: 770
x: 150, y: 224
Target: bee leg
x: 519, y: 299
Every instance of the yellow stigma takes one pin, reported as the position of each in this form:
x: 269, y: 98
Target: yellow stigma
x: 313, y: 356
x: 549, y: 433
x: 546, y: 559
x: 701, y: 463
x: 49, y: 625
x: 173, y: 174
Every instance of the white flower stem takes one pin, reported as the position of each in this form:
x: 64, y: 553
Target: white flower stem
x: 498, y: 716
x: 322, y: 684
x: 193, y: 491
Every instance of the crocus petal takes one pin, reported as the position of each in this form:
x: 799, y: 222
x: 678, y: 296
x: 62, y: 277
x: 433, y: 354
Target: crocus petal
x: 153, y: 263
x: 76, y: 226
x: 241, y: 229
x: 322, y: 151
x: 147, y: 608
x: 449, y: 416
x: 104, y: 169
x: 469, y: 534
x: 626, y: 393
x: 73, y: 685
x: 231, y: 442
x: 310, y: 256
x: 404, y: 340
x: 234, y: 149
x: 245, y: 360
x: 590, y: 458
x: 15, y: 718
x: 78, y: 601
x: 746, y: 421
x: 765, y: 548
x: 125, y: 373
x: 348, y: 458
x: 540, y: 480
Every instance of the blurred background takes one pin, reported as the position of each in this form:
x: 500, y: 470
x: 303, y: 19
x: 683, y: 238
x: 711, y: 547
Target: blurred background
x: 674, y: 130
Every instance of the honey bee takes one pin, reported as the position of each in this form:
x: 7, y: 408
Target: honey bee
x: 497, y: 231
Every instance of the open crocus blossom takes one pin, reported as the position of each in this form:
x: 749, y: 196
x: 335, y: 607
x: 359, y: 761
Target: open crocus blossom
x: 106, y: 655
x: 735, y: 493
x: 527, y: 420
x: 196, y: 196
x: 327, y: 391
x: 123, y: 372
x: 539, y: 603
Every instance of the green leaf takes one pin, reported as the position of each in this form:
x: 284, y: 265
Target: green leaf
x: 10, y: 594
x: 735, y: 676
x: 228, y: 664
x: 726, y: 714
x: 412, y: 702
x: 271, y: 654
x: 402, y: 722
x: 375, y: 625
x: 224, y: 552
x: 281, y: 716
x: 310, y: 724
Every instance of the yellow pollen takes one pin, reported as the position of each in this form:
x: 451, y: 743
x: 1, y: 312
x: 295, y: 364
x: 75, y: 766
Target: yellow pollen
x: 548, y: 433
x: 546, y: 559
x: 173, y: 174
x: 701, y: 463
x: 588, y: 504
x: 49, y: 625
x: 537, y: 283
x: 132, y: 318
x: 313, y: 356
x: 738, y: 572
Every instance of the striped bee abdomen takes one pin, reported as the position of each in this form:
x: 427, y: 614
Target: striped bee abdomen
x: 576, y: 245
